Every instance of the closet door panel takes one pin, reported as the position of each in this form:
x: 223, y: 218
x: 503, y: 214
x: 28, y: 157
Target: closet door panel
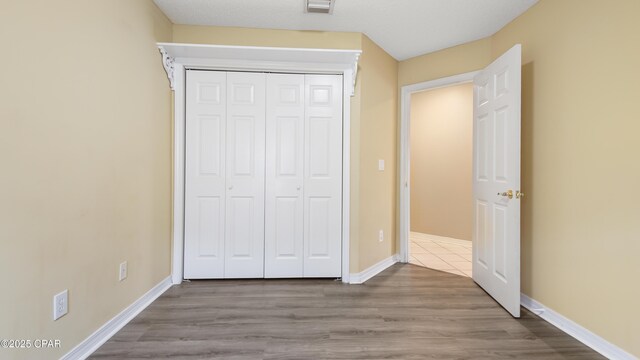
x: 205, y: 175
x: 284, y: 176
x: 245, y: 167
x: 323, y: 176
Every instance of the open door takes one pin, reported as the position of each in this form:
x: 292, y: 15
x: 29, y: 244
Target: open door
x: 496, y: 180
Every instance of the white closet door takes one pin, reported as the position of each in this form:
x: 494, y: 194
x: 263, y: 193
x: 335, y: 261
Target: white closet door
x: 284, y: 174
x: 244, y: 235
x: 323, y: 176
x: 205, y: 175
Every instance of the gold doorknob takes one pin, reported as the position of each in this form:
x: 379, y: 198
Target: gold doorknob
x: 508, y: 193
x: 519, y: 194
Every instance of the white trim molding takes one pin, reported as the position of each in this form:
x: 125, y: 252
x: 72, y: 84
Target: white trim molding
x: 168, y: 64
x: 177, y: 58
x: 375, y: 269
x: 405, y: 146
x: 354, y: 71
x: 581, y: 334
x: 179, y: 136
x: 111, y: 327
x: 348, y: 79
x: 257, y: 58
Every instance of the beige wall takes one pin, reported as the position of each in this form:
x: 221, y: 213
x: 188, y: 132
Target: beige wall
x: 441, y: 138
x: 581, y: 120
x: 580, y: 165
x: 373, y: 127
x: 378, y: 75
x: 85, y: 147
x: 452, y: 61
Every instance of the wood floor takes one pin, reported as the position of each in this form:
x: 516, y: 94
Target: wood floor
x: 406, y: 312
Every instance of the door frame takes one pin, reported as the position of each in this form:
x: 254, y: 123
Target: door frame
x: 177, y: 58
x: 405, y: 149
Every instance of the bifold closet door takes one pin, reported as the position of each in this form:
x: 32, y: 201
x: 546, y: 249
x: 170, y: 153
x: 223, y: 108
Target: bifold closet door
x: 323, y: 176
x: 303, y: 228
x: 263, y: 176
x: 205, y: 175
x: 244, y: 233
x: 224, y: 175
x: 284, y: 176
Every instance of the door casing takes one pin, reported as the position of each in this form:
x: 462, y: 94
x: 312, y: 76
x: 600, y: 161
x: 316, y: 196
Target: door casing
x: 177, y: 58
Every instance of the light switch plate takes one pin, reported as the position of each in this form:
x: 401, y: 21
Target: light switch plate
x: 381, y: 165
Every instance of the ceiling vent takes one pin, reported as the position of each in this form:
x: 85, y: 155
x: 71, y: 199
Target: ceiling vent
x: 320, y: 6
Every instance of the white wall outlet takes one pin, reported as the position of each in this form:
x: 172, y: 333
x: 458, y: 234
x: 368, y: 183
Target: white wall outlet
x: 123, y: 271
x: 381, y: 236
x: 60, y: 304
x: 380, y: 165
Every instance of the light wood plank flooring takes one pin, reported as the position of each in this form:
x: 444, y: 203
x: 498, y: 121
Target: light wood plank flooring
x: 406, y: 312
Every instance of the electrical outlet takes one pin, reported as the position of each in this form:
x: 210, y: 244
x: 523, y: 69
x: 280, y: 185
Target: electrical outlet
x: 123, y: 271
x: 381, y: 236
x: 60, y: 304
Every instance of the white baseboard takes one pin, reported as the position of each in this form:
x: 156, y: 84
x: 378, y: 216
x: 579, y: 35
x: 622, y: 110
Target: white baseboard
x: 361, y: 277
x: 581, y: 334
x: 111, y: 327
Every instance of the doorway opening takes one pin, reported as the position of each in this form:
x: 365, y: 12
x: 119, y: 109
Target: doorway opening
x: 440, y: 184
x: 436, y: 174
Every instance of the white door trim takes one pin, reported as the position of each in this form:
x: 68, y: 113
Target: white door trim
x: 405, y: 122
x: 245, y: 58
x: 179, y: 116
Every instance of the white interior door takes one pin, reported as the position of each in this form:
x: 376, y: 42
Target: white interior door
x: 496, y: 180
x: 205, y: 191
x: 323, y: 176
x: 245, y: 167
x: 284, y: 176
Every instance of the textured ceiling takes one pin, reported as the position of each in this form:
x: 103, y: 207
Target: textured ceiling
x: 404, y: 28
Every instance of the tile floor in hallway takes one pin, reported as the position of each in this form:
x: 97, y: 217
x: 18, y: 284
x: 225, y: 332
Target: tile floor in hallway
x: 440, y: 253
